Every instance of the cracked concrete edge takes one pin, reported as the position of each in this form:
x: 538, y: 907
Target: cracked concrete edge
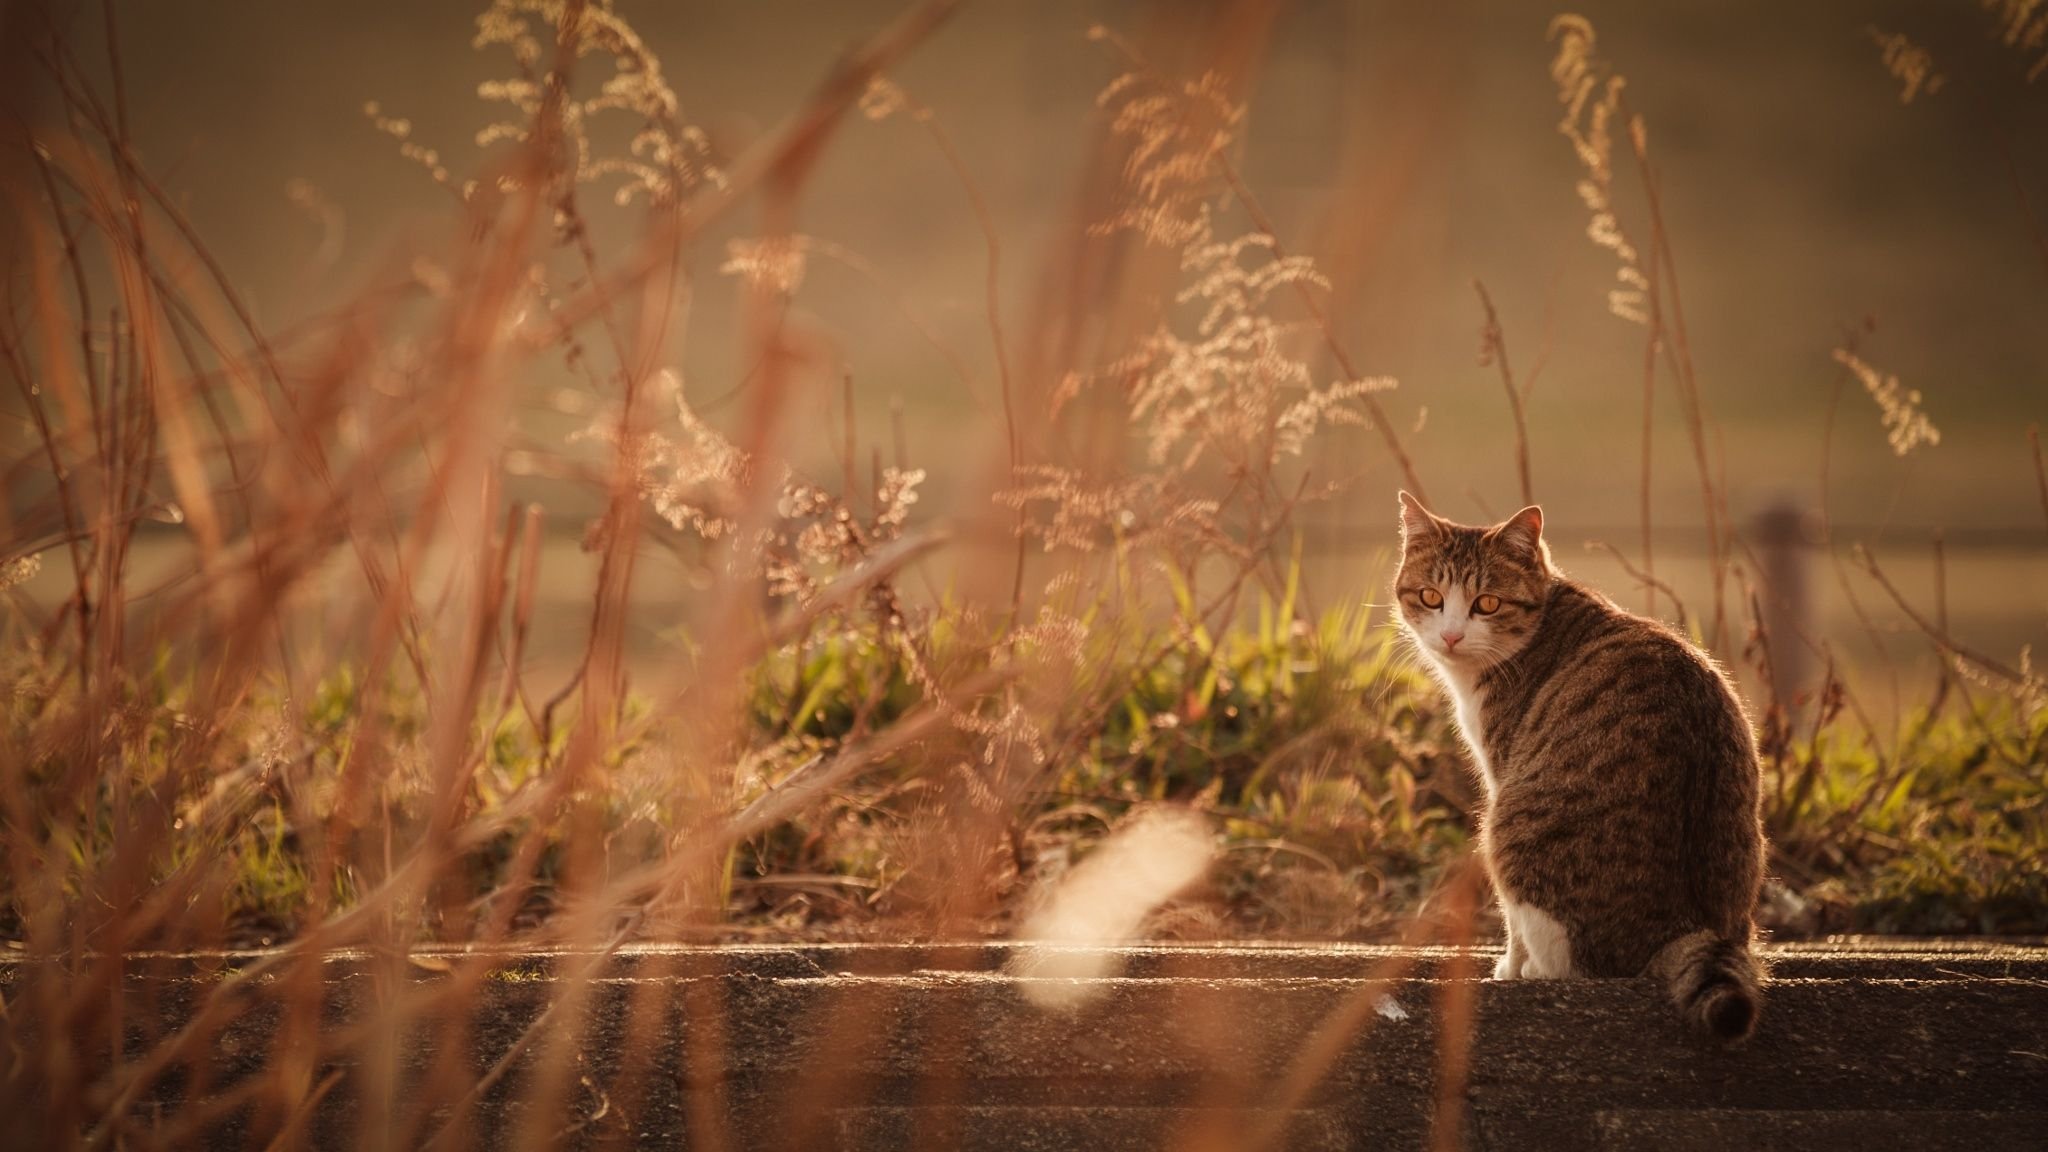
x: 1909, y: 1039
x: 1840, y: 959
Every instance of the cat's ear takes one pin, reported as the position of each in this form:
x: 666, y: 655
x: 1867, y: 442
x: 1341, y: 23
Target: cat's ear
x: 1523, y: 531
x: 1416, y: 521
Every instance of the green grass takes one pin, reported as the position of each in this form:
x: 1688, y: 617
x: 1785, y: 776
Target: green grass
x: 1954, y: 839
x: 1324, y: 764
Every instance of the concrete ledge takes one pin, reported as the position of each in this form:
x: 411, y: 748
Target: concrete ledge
x: 1863, y: 1045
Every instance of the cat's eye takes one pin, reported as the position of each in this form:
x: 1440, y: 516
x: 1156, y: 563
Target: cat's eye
x: 1486, y: 605
x: 1431, y: 598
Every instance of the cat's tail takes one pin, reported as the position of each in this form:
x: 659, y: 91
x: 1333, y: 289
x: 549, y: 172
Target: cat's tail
x: 1716, y: 983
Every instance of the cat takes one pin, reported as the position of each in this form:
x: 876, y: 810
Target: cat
x: 1622, y: 825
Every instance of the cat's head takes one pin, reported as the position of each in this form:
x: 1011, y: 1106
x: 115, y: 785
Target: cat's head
x: 1471, y: 597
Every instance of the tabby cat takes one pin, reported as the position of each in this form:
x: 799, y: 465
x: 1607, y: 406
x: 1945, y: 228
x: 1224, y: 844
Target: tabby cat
x: 1621, y: 825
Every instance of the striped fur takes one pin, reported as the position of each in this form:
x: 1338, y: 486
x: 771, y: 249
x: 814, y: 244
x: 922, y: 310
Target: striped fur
x: 1716, y: 984
x: 1622, y: 820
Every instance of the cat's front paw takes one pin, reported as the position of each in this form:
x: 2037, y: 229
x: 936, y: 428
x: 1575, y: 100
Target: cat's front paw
x: 1505, y: 968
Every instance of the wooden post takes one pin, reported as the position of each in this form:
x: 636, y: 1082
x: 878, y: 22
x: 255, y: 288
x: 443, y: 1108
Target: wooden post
x: 1783, y: 547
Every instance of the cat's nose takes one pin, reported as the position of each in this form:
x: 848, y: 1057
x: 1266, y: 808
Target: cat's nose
x: 1451, y: 640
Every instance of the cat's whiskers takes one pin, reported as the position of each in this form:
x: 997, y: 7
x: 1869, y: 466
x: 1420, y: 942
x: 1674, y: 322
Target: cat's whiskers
x: 1411, y: 649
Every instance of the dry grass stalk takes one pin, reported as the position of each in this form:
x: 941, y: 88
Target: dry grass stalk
x: 1493, y: 349
x: 1592, y: 96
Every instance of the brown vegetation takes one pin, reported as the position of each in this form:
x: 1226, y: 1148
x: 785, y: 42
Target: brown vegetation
x: 199, y: 759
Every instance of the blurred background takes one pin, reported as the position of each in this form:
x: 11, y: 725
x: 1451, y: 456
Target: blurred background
x: 1411, y: 149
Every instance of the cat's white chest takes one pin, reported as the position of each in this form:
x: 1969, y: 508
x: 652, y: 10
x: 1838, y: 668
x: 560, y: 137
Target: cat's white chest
x: 1467, y: 700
